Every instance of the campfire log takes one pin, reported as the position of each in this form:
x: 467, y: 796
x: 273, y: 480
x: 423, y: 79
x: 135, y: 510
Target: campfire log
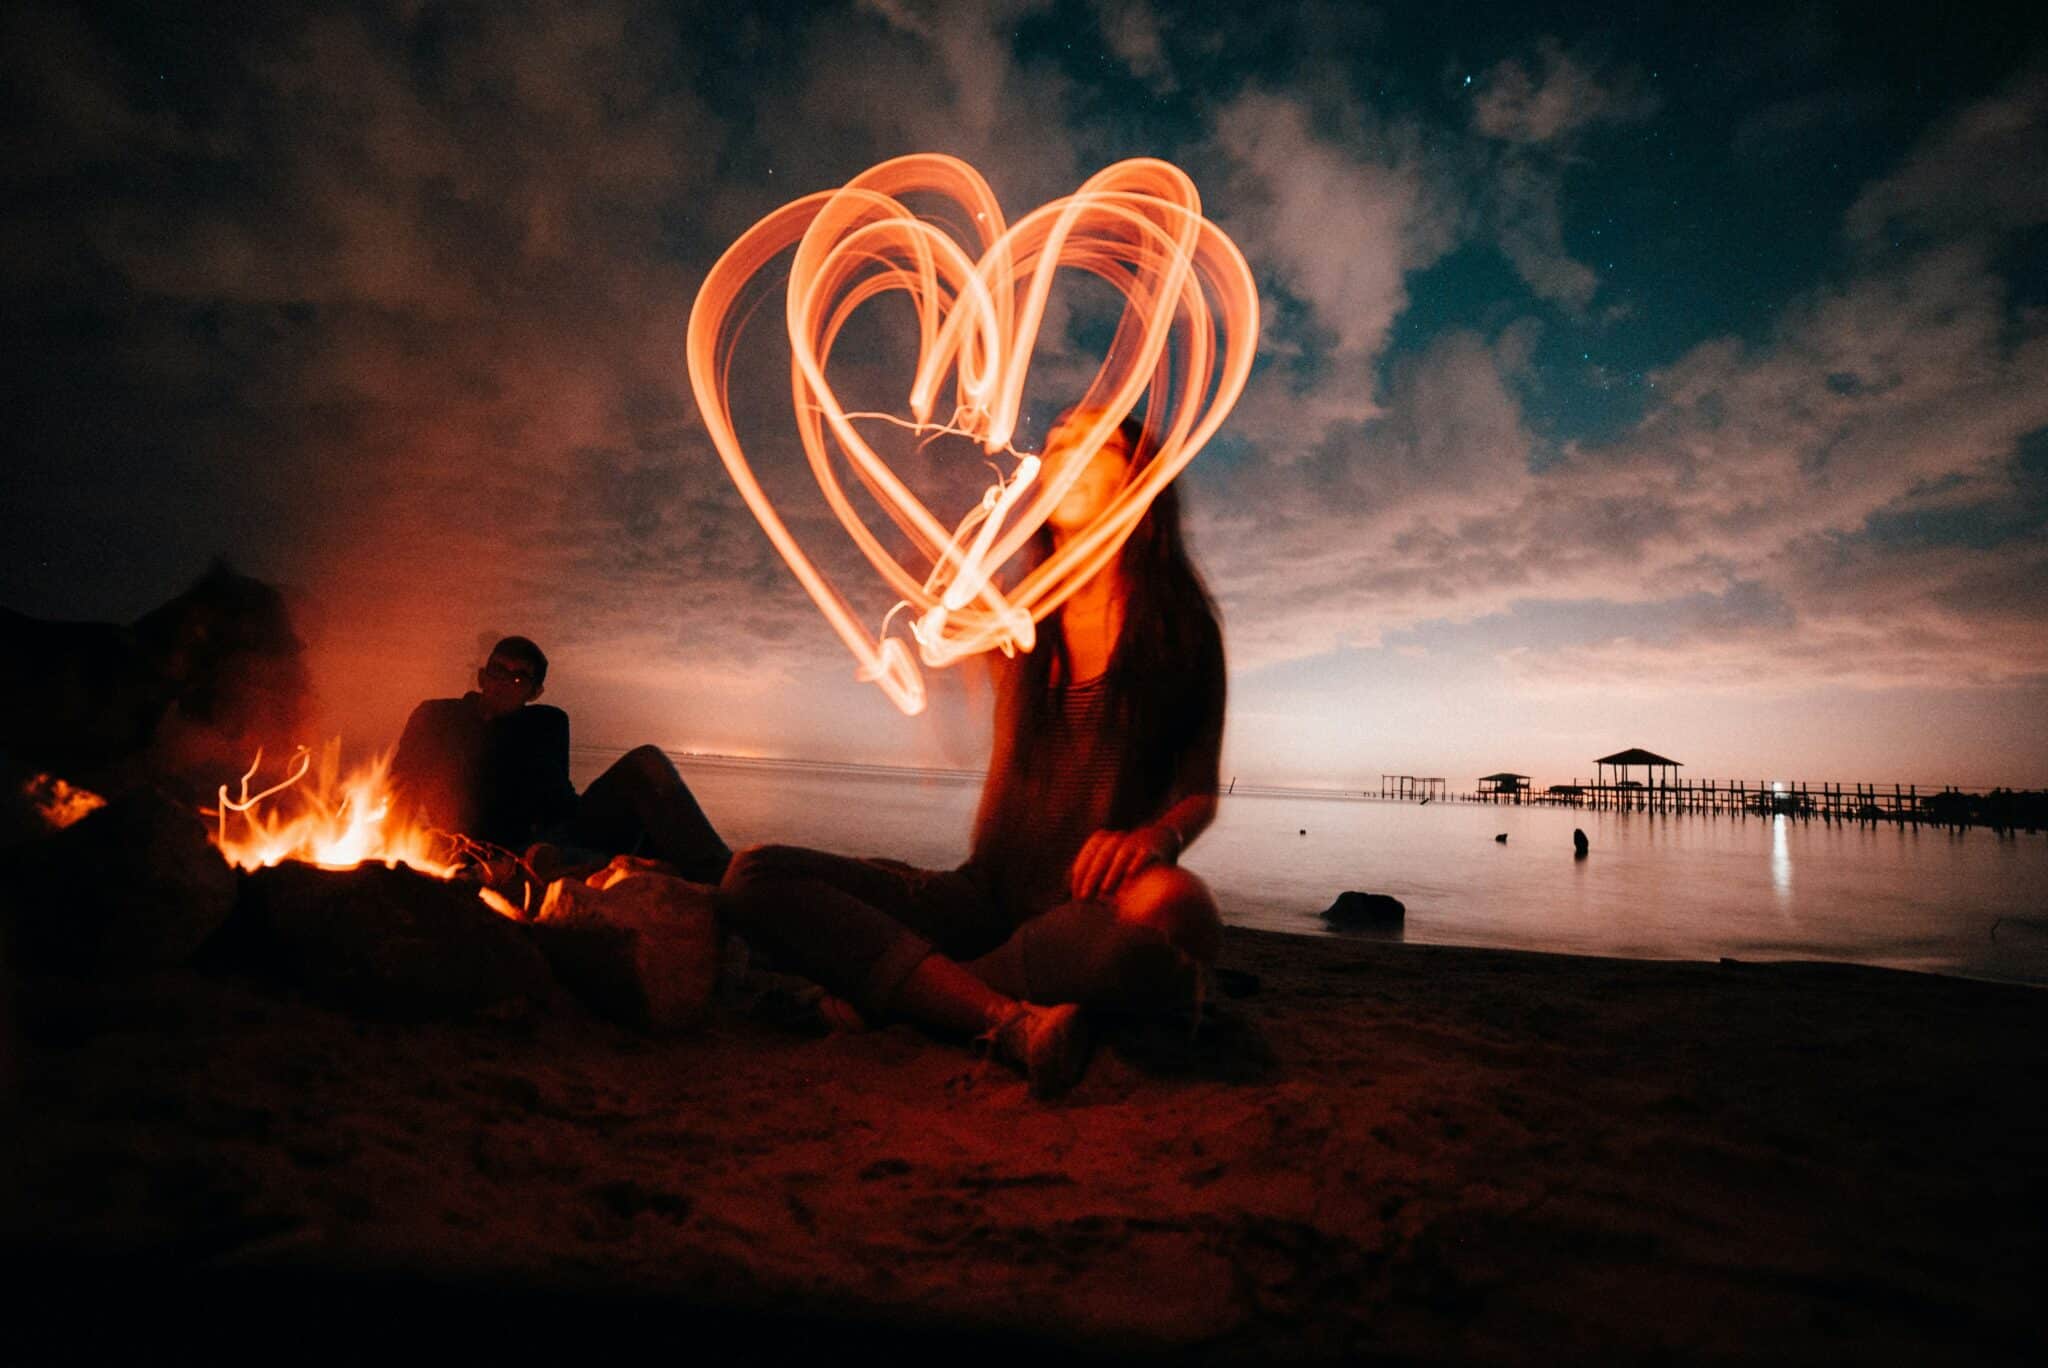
x: 638, y: 947
x: 387, y: 943
x: 134, y: 884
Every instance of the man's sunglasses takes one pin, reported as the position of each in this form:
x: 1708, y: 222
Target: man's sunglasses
x: 494, y: 670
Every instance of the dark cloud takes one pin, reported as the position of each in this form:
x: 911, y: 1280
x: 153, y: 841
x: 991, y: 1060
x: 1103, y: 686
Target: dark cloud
x: 360, y: 293
x: 1982, y: 172
x: 1555, y: 93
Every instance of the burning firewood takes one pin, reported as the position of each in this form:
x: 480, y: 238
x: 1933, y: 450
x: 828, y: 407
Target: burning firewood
x: 385, y: 942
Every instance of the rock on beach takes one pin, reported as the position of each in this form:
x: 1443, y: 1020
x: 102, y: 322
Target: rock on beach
x: 637, y: 946
x: 1353, y: 908
x: 133, y: 884
x: 386, y: 943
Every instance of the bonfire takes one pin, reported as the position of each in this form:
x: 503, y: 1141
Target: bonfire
x: 337, y: 823
x: 315, y: 815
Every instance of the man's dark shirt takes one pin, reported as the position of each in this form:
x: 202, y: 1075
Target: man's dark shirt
x: 503, y: 781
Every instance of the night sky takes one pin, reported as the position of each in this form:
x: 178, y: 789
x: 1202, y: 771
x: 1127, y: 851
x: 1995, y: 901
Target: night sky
x: 1657, y: 375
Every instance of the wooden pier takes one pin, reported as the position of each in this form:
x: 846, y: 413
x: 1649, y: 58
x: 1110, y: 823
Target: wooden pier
x: 1412, y: 787
x: 1661, y: 790
x: 1949, y: 806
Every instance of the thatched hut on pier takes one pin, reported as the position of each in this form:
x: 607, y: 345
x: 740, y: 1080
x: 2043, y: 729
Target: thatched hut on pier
x: 1623, y: 761
x: 1503, y: 787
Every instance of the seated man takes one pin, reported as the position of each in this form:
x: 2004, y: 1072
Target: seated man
x: 494, y: 766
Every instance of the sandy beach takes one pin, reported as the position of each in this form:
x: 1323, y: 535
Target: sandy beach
x: 1368, y: 1148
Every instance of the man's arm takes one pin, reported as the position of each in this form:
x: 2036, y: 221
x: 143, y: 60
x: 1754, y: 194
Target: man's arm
x: 551, y: 795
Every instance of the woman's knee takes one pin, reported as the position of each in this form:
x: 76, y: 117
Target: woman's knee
x: 761, y: 864
x: 1177, y: 905
x: 754, y: 898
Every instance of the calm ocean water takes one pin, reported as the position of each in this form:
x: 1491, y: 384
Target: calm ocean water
x: 1654, y: 887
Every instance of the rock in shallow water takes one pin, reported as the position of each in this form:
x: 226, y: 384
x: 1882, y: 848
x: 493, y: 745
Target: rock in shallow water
x: 1353, y: 908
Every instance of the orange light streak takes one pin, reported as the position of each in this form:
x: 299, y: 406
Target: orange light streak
x: 1183, y: 346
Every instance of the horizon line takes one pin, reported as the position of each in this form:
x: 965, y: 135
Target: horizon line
x: 1322, y: 788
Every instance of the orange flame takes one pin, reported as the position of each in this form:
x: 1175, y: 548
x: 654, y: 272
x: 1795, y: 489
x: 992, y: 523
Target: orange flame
x: 336, y: 823
x: 1183, y: 346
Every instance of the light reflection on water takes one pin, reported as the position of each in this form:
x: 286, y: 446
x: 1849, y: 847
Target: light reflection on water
x: 1654, y: 886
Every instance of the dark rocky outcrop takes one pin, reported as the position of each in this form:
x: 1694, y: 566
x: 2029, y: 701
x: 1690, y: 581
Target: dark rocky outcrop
x: 1353, y: 908
x: 135, y: 883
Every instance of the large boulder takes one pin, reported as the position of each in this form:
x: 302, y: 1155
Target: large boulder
x: 638, y: 946
x: 135, y: 883
x: 1355, y: 909
x: 388, y: 943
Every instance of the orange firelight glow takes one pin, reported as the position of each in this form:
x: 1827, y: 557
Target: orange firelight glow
x: 333, y: 822
x: 979, y: 289
x: 58, y: 803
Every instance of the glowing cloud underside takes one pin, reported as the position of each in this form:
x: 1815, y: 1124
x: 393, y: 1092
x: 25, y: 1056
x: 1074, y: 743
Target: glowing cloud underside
x: 978, y: 290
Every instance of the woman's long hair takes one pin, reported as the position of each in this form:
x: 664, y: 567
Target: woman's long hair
x: 1165, y: 679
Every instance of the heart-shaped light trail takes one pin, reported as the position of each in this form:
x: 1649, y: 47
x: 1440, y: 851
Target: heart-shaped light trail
x: 978, y: 290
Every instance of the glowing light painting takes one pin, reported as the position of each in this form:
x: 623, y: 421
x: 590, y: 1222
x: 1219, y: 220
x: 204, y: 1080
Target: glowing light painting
x: 978, y: 290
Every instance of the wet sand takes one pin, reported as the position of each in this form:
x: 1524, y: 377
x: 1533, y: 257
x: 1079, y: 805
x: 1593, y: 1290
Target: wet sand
x: 1407, y: 1152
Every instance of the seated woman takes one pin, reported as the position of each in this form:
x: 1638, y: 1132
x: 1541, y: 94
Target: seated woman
x: 1104, y: 769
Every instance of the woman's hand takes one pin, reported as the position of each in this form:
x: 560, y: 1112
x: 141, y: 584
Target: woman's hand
x: 1110, y: 857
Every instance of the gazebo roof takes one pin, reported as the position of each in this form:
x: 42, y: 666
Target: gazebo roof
x: 1636, y: 755
x: 1500, y: 778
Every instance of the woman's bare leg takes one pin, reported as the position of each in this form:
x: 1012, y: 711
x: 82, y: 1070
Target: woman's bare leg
x: 845, y: 923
